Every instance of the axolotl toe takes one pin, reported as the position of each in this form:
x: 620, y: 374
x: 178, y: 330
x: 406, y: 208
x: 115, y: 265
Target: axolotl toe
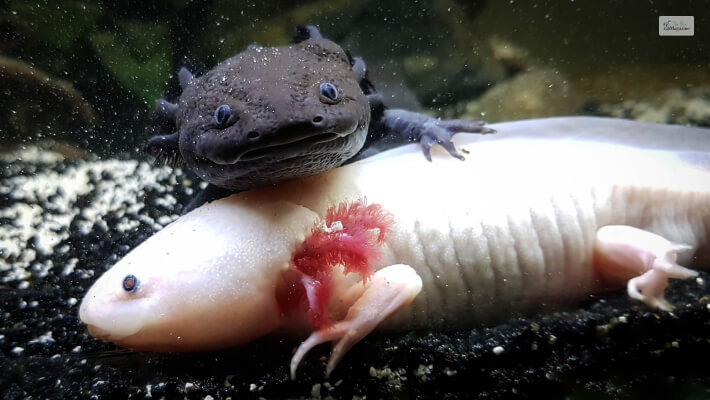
x: 271, y: 114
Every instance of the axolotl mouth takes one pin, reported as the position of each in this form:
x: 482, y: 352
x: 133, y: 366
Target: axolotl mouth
x: 100, y: 333
x: 110, y: 326
x: 295, y: 138
x: 275, y: 162
x: 287, y: 150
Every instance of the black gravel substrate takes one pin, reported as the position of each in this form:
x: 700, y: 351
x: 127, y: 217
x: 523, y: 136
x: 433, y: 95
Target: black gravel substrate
x: 63, y: 224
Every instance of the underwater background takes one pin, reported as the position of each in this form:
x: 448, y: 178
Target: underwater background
x: 79, y: 80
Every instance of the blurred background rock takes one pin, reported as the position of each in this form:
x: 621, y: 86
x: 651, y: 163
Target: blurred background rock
x: 87, y: 73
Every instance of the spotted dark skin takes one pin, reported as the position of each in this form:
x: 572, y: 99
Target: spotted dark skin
x: 271, y: 114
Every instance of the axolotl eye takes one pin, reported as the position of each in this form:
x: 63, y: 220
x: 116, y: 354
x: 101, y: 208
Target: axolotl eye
x: 222, y: 114
x: 328, y: 93
x: 130, y: 283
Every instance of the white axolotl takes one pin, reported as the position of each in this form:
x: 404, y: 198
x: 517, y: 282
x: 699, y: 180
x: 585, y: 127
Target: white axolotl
x: 543, y: 213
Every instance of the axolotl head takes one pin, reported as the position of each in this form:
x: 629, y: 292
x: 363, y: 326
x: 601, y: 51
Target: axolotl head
x: 206, y: 281
x: 271, y: 114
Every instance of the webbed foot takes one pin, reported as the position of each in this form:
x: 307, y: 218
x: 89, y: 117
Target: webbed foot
x: 429, y: 131
x: 389, y: 290
x: 649, y: 260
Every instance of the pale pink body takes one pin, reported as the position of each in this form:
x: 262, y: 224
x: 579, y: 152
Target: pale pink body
x: 513, y: 227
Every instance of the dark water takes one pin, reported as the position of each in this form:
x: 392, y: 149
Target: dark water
x: 79, y: 80
x: 440, y: 54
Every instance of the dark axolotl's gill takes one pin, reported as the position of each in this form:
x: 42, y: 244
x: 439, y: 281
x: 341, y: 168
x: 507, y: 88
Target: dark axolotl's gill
x: 271, y: 114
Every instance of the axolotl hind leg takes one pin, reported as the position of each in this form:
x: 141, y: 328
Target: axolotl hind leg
x: 389, y: 289
x: 646, y: 259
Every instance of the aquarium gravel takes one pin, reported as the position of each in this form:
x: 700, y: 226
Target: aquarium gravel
x: 62, y: 224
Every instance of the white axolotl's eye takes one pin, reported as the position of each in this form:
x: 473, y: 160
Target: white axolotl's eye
x: 130, y: 283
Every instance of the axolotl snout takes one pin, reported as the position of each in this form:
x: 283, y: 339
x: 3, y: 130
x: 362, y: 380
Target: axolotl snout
x: 175, y: 293
x: 546, y: 212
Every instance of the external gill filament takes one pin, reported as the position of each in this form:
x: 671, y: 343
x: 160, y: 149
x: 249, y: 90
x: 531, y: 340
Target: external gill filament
x: 351, y: 236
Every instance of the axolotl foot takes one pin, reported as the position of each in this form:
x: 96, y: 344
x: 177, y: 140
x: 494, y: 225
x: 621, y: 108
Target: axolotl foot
x: 390, y: 289
x: 429, y: 131
x: 649, y: 260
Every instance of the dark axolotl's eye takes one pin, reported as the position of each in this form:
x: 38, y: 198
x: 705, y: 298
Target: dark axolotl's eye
x: 222, y: 114
x: 329, y: 93
x: 130, y: 283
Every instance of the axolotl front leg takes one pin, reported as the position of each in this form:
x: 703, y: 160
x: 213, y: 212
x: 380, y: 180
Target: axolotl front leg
x: 390, y: 126
x: 389, y: 290
x: 416, y: 127
x: 349, y: 236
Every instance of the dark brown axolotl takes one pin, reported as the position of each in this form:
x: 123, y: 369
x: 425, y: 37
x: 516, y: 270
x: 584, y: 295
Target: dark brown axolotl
x: 271, y: 114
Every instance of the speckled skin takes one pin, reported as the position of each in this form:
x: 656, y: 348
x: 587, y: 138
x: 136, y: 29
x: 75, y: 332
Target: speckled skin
x: 277, y: 105
x: 281, y: 125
